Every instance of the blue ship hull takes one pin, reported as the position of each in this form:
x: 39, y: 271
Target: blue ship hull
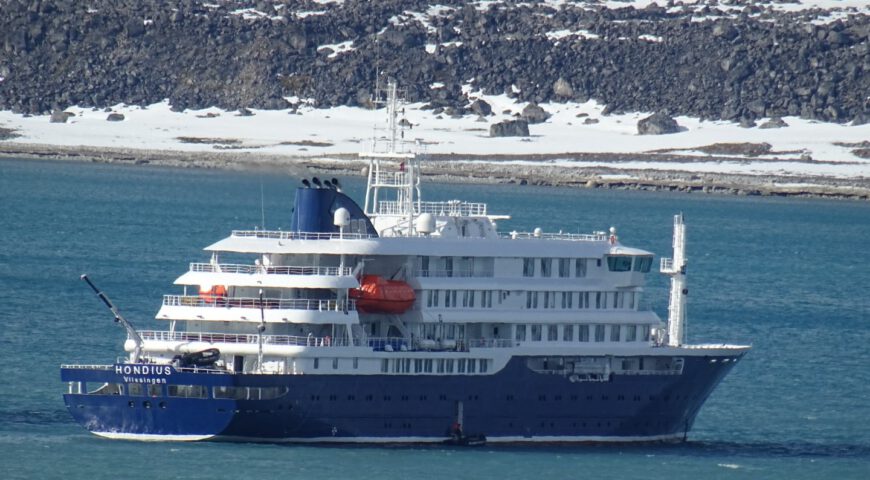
x: 513, y: 405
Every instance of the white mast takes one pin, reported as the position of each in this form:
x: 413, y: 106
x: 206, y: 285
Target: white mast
x: 676, y: 269
x: 405, y: 182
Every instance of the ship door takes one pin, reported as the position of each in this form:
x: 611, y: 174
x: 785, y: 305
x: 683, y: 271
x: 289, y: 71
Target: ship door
x: 238, y: 363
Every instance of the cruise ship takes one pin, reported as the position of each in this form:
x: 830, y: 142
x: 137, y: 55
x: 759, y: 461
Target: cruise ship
x: 400, y: 320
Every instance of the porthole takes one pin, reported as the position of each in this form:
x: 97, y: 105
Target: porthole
x: 146, y: 404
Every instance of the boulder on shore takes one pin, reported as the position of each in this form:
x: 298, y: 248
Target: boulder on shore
x: 510, y: 128
x: 59, y: 116
x: 534, y: 114
x: 115, y: 117
x: 657, y: 124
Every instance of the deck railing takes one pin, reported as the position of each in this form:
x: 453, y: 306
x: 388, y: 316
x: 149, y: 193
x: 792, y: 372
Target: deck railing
x: 267, y: 303
x: 277, y: 270
x: 395, y: 344
x: 453, y: 208
x: 281, y: 235
x: 577, y: 237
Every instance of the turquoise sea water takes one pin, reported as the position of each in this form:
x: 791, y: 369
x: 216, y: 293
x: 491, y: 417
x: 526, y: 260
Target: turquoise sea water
x: 789, y: 276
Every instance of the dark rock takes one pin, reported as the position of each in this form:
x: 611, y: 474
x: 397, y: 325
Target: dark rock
x: 481, y: 108
x: 774, y: 122
x: 244, y: 112
x: 534, y: 114
x: 590, y: 121
x: 747, y: 122
x: 115, y: 117
x: 657, y: 124
x: 59, y: 116
x: 510, y: 128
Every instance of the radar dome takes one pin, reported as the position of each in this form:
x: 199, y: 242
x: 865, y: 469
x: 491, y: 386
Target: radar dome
x: 426, y: 223
x: 341, y: 218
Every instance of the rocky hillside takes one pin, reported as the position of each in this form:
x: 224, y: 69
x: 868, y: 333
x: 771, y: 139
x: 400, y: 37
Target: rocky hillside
x: 734, y: 60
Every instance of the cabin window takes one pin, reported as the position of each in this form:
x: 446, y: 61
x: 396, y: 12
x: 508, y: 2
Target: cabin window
x: 155, y: 390
x: 564, y: 267
x: 619, y: 263
x: 335, y: 363
x: 135, y: 389
x: 630, y: 300
x: 465, y: 298
x: 424, y: 266
x: 642, y: 264
x: 427, y: 365
x: 568, y: 333
x: 484, y: 365
x: 449, y: 365
x: 583, y: 300
x: 644, y: 330
x: 429, y: 296
x: 520, y: 335
x: 316, y: 363
x: 616, y: 302
x: 187, y: 391
x: 385, y: 365
x: 546, y: 267
x: 460, y: 365
x: 472, y: 365
x: 599, y: 333
x: 528, y: 267
x: 583, y: 333
x: 566, y: 299
x: 471, y: 298
x: 448, y: 266
x: 631, y: 333
x: 536, y: 333
x: 552, y: 333
x: 580, y: 267
x: 439, y: 365
x: 614, y: 333
x: 547, y: 299
x: 597, y: 299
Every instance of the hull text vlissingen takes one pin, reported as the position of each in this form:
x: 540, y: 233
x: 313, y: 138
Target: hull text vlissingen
x: 407, y: 321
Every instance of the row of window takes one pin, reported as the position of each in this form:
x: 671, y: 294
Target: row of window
x: 435, y: 365
x: 463, y: 298
x: 187, y: 391
x: 597, y: 300
x: 563, y: 266
x: 582, y: 333
x: 563, y: 300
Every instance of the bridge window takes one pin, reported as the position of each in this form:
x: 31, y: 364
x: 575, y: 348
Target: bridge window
x: 619, y: 263
x: 568, y: 333
x: 643, y: 263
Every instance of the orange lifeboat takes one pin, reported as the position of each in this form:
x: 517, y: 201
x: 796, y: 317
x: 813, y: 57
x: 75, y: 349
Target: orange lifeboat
x: 378, y: 295
x: 212, y: 294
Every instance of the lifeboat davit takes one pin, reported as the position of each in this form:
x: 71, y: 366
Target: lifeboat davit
x: 378, y: 295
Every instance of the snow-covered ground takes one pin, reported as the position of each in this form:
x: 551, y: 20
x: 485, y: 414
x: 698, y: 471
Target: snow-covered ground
x: 804, y: 148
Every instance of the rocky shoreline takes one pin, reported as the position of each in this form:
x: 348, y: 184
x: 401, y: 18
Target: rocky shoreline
x: 487, y: 169
x: 736, y: 60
